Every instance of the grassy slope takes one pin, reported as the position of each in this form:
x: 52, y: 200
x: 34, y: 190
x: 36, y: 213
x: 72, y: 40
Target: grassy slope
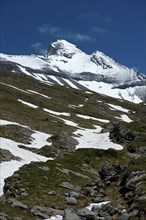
x: 80, y: 161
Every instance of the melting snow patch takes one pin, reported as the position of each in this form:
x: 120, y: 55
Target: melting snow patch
x: 125, y: 118
x: 28, y: 104
x: 76, y: 106
x: 14, y: 87
x: 119, y: 108
x: 56, y: 113
x: 92, y: 138
x: 96, y: 205
x: 9, y: 167
x: 45, y: 96
x: 26, y: 156
x: 96, y: 119
x: 57, y: 217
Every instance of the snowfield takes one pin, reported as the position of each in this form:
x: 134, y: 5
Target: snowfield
x: 39, y: 139
x: 92, y: 138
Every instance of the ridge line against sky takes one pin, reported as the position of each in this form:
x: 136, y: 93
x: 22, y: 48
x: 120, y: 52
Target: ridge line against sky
x: 115, y: 27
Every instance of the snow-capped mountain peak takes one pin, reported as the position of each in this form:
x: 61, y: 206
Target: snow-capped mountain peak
x: 97, y: 72
x: 62, y: 48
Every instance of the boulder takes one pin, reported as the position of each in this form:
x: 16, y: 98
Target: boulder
x: 70, y: 214
x: 71, y: 200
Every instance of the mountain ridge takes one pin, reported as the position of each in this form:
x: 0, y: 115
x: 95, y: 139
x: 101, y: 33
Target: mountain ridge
x: 67, y: 61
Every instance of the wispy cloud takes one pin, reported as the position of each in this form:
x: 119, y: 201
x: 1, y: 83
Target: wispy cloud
x: 100, y: 30
x: 88, y: 15
x: 94, y: 14
x: 38, y: 47
x: 61, y: 33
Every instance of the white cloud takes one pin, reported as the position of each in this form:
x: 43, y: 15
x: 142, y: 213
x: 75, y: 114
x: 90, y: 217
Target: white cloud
x: 80, y: 37
x: 38, y: 47
x: 61, y: 33
x: 100, y: 30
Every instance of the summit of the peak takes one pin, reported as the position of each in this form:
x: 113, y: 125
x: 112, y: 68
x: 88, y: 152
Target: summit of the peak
x: 62, y: 47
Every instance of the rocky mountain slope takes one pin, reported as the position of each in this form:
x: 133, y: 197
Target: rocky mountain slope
x: 66, y: 152
x: 65, y: 64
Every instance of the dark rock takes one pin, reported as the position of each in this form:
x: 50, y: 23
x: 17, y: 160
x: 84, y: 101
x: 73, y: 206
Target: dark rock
x: 90, y: 190
x: 86, y: 214
x: 107, y: 172
x: 110, y: 173
x: 98, y: 200
x: 70, y: 214
x: 130, y: 180
x: 108, y: 210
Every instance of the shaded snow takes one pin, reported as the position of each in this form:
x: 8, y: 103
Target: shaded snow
x: 24, y: 70
x: 56, y: 80
x: 70, y: 83
x: 32, y: 61
x: 107, y: 89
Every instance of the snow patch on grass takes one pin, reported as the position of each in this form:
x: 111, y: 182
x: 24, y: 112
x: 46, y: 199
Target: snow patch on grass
x: 93, y: 118
x: 119, y: 108
x: 28, y: 104
x: 56, y: 113
x: 92, y: 138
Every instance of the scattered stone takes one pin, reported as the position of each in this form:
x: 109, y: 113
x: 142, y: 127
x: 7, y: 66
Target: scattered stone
x: 108, y: 210
x: 90, y: 190
x: 71, y: 200
x: 70, y: 186
x: 52, y: 193
x: 73, y: 194
x: 3, y: 216
x: 86, y: 214
x: 98, y: 200
x: 16, y: 203
x: 125, y: 216
x: 70, y: 214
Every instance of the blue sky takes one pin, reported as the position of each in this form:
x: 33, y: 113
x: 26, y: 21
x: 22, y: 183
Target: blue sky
x: 115, y: 27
